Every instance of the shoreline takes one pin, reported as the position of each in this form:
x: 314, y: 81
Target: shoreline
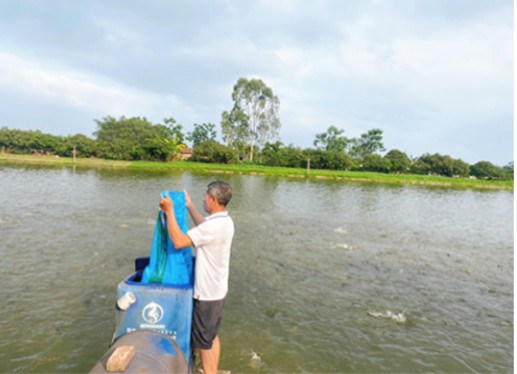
x: 345, y: 176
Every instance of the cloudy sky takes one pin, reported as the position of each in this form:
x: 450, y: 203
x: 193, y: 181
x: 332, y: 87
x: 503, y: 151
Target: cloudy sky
x: 435, y: 75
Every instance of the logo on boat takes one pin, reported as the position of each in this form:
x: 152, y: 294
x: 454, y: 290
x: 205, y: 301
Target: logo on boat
x: 152, y: 313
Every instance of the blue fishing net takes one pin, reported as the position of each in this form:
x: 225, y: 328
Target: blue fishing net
x: 167, y: 265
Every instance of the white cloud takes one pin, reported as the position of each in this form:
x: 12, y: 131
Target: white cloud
x: 80, y: 90
x: 409, y: 67
x: 117, y: 34
x: 459, y: 70
x: 467, y: 58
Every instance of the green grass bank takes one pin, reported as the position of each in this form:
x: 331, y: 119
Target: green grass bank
x: 346, y: 176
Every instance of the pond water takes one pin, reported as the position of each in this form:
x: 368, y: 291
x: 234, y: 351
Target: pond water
x: 325, y: 276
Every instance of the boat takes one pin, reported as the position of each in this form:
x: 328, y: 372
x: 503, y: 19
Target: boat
x: 152, y: 328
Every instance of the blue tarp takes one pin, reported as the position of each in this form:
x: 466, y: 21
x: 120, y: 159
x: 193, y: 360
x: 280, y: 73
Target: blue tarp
x: 167, y: 265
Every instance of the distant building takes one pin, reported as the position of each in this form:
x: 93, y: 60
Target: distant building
x: 186, y: 153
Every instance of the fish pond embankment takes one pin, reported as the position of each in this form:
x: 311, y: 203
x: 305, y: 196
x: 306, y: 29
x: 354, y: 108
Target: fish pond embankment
x: 251, y: 169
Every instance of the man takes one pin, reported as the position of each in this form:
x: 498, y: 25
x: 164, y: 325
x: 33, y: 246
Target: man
x: 212, y: 238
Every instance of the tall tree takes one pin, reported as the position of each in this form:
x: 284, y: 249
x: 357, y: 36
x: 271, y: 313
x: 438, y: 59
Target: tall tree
x: 202, y: 133
x: 399, y: 161
x: 368, y: 144
x: 254, y: 117
x: 460, y: 168
x: 138, y: 139
x: 175, y: 129
x: 332, y: 140
x: 486, y: 170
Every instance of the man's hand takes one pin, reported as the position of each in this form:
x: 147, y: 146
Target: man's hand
x: 188, y: 200
x: 166, y: 204
x: 179, y: 239
x: 194, y: 213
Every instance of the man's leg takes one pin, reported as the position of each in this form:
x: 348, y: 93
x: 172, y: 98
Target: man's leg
x: 210, y: 357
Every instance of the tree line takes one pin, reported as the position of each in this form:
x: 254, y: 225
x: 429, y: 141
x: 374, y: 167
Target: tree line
x: 250, y: 133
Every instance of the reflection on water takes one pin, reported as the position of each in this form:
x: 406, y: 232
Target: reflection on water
x: 325, y: 277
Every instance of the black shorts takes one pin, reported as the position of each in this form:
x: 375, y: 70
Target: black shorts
x: 206, y: 321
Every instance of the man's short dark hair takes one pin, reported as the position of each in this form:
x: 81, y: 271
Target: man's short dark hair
x: 222, y: 191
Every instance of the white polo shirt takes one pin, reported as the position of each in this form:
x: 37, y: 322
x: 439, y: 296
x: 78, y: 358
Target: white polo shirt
x: 213, y: 240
